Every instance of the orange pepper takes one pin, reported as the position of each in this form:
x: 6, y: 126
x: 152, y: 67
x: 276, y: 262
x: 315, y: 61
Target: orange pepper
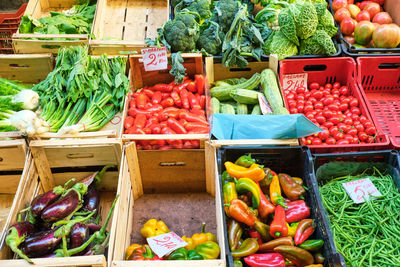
x: 275, y: 192
x: 254, y: 172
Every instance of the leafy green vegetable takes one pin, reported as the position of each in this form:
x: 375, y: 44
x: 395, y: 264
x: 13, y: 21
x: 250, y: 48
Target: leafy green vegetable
x: 177, y: 70
x: 225, y: 11
x: 288, y: 25
x: 306, y: 21
x: 209, y: 39
x: 326, y: 21
x: 281, y: 46
x: 318, y: 44
x: 202, y: 7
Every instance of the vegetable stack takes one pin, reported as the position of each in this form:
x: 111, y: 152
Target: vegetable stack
x: 268, y: 220
x: 201, y: 246
x: 62, y: 223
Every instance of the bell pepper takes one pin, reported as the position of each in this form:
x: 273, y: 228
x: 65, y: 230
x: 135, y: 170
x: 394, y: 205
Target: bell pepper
x: 278, y: 226
x: 226, y: 178
x: 254, y: 172
x: 265, y: 208
x: 275, y: 192
x: 194, y: 255
x: 297, y: 211
x: 153, y: 227
x: 269, y: 174
x: 312, y: 245
x: 265, y: 260
x: 229, y: 193
x: 292, y: 228
x: 300, y: 256
x: 209, y: 250
x: 244, y: 185
x: 237, y: 263
x: 183, y: 254
x: 318, y: 258
x: 304, y: 230
x: 291, y: 188
x: 235, y: 232
x: 239, y: 211
x: 199, y: 238
x: 143, y: 253
x: 298, y: 180
x: 245, y: 161
x: 254, y: 234
x: 263, y: 230
x: 130, y: 249
x: 281, y: 241
x: 247, y: 248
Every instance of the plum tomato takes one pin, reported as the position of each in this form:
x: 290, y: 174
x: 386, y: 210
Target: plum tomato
x: 333, y: 130
x: 308, y: 108
x: 348, y: 121
x: 328, y: 100
x: 352, y: 131
x: 328, y: 124
x: 324, y: 135
x: 292, y: 104
x: 317, y: 94
x: 320, y: 119
x: 368, y: 124
x: 353, y: 102
x: 344, y: 90
x: 338, y: 136
x: 318, y: 105
x: 328, y: 86
x: 334, y: 119
x: 363, y: 119
x: 343, y: 107
x: 290, y: 96
x: 336, y: 85
x: 370, y: 140
x: 300, y: 90
x: 314, y: 86
x: 330, y: 141
x: 333, y: 107
x: 300, y: 108
x: 362, y: 136
x: 359, y: 127
x: 355, y: 110
x: 342, y: 142
x: 293, y: 111
x: 348, y: 138
x: 370, y: 130
x: 327, y: 113
x: 316, y: 142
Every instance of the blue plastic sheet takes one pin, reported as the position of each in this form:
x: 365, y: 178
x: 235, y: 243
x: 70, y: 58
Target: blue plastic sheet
x: 226, y: 126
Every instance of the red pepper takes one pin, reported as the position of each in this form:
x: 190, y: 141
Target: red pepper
x: 134, y: 112
x: 182, y: 121
x: 202, y: 102
x: 304, y: 230
x: 200, y: 83
x: 155, y: 128
x: 184, y: 98
x: 187, y: 144
x: 192, y: 87
x: 265, y: 208
x: 148, y: 106
x: 135, y: 94
x: 143, y: 253
x: 199, y: 130
x: 296, y: 211
x: 163, y: 124
x: 141, y: 100
x: 265, y: 260
x: 147, y: 130
x: 165, y: 95
x: 176, y: 126
x: 168, y: 102
x: 157, y: 97
x: 167, y: 147
x: 196, y: 143
x: 182, y: 86
x: 177, y: 99
x: 254, y: 234
x: 194, y: 103
x: 200, y: 112
x: 140, y: 121
x: 155, y: 108
x: 132, y: 103
x: 194, y: 125
x: 278, y: 226
x: 128, y: 122
x: 170, y: 112
x: 192, y: 117
x: 162, y: 87
x: 148, y: 92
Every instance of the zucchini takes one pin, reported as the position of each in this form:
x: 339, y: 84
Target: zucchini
x: 242, y: 109
x: 256, y: 110
x: 271, y: 90
x: 223, y: 92
x: 245, y: 96
x: 281, y: 111
x: 227, y: 109
x: 215, y: 105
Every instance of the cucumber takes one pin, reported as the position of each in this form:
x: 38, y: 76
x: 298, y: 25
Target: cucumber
x: 256, y: 110
x: 245, y: 96
x: 242, y: 109
x: 215, y: 105
x: 223, y: 92
x: 271, y: 90
x: 227, y: 109
x: 281, y: 111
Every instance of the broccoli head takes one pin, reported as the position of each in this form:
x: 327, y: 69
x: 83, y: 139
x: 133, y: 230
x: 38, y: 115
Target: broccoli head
x: 209, y: 39
x: 225, y: 13
x: 182, y: 32
x: 201, y: 7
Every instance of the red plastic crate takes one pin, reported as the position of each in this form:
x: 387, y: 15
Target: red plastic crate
x: 379, y: 81
x: 330, y: 70
x: 9, y: 23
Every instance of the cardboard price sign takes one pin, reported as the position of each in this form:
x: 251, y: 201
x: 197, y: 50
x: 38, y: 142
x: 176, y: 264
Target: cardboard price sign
x: 361, y: 190
x: 165, y: 243
x: 292, y: 81
x: 155, y: 58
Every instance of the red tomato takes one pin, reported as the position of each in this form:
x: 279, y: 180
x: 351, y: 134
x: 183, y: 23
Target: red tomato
x: 334, y: 119
x: 318, y: 105
x: 292, y: 104
x: 328, y: 86
x: 333, y: 130
x: 300, y: 102
x: 359, y: 127
x: 355, y: 110
x: 370, y: 140
x: 336, y: 85
x: 344, y: 90
x: 327, y: 113
x: 370, y: 130
x: 335, y: 96
x: 343, y: 127
x: 312, y: 99
x: 300, y: 90
x: 316, y: 142
x: 348, y: 121
x: 308, y: 108
x: 333, y: 107
x: 320, y: 119
x: 354, y: 102
x: 363, y: 119
x: 368, y: 124
x: 335, y: 92
x: 300, y: 108
x: 300, y: 97
x: 354, y: 117
x: 362, y: 136
x: 343, y: 107
x: 328, y: 124
x: 318, y: 94
x: 345, y: 100
x: 324, y: 135
x: 356, y: 140
x: 293, y: 111
x: 338, y: 136
x: 314, y: 86
x: 290, y: 96
x: 330, y: 141
x: 349, y: 138
x: 342, y: 142
x: 328, y: 100
x: 352, y: 131
x: 307, y: 94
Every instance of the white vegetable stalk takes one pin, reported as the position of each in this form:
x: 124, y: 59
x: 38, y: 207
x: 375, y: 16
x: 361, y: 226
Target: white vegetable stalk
x: 28, y: 98
x: 25, y: 121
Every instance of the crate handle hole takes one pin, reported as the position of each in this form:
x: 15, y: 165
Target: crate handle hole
x: 389, y: 66
x: 18, y: 66
x: 314, y: 67
x: 80, y: 155
x: 1, y: 159
x: 239, y: 69
x: 51, y: 46
x: 172, y: 163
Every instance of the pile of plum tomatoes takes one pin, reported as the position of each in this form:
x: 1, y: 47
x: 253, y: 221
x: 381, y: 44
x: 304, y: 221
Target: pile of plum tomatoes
x: 333, y: 109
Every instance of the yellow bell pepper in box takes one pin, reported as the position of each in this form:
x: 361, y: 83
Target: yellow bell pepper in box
x: 153, y: 227
x: 199, y: 238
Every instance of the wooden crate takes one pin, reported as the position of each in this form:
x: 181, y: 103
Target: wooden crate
x: 38, y: 9
x: 126, y: 23
x: 184, y: 199
x: 54, y: 163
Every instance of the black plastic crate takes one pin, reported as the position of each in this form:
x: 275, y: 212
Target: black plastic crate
x: 295, y: 161
x: 386, y: 159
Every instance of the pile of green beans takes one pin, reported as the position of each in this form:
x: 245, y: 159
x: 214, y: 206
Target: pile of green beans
x: 367, y: 234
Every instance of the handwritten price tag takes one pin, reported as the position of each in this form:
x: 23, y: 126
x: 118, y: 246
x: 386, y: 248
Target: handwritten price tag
x: 155, y: 58
x: 165, y: 243
x: 292, y: 81
x: 361, y: 190
x: 264, y: 105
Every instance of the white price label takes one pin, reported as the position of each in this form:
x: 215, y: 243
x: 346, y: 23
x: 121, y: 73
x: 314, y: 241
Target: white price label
x: 264, y: 105
x: 293, y: 81
x: 361, y: 190
x: 165, y: 243
x: 155, y: 58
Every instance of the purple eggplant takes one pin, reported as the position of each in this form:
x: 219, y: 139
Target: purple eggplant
x: 40, y: 202
x: 92, y: 199
x: 96, y: 177
x: 93, y: 227
x: 41, y: 244
x: 16, y: 235
x: 79, y: 235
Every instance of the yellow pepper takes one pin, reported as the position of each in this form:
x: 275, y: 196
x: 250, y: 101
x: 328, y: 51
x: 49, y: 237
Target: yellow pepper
x: 199, y: 238
x: 315, y: 265
x: 275, y: 192
x: 254, y: 172
x: 153, y: 227
x: 130, y: 249
x: 292, y: 228
x: 298, y: 180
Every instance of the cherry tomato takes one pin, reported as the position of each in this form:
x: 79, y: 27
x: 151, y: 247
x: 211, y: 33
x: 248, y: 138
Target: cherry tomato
x: 314, y: 121
x: 370, y: 130
x: 314, y: 86
x: 334, y: 119
x: 300, y: 97
x: 310, y: 116
x: 307, y: 94
x: 324, y: 135
x: 330, y: 141
x: 342, y: 127
x: 300, y: 108
x: 349, y: 138
x: 318, y: 105
x: 344, y: 90
x: 359, y: 127
x: 290, y: 96
x: 300, y: 90
x: 308, y: 108
x: 300, y: 102
x: 328, y: 100
x: 352, y: 131
x: 333, y: 107
x: 342, y: 142
x: 335, y: 92
x: 336, y: 85
x: 368, y: 124
x: 320, y: 119
x: 317, y: 94
x: 328, y: 124
x: 363, y: 119
x: 354, y: 117
x: 316, y: 142
x: 292, y: 104
x: 343, y: 107
x: 348, y: 113
x: 327, y: 113
x: 338, y: 136
x: 328, y: 85
x: 335, y: 96
x: 355, y: 110
x: 333, y: 130
x: 353, y: 102
x: 362, y: 136
x: 356, y: 140
x: 345, y: 100
x: 312, y: 99
x: 348, y: 121
x: 293, y: 111
x: 370, y: 140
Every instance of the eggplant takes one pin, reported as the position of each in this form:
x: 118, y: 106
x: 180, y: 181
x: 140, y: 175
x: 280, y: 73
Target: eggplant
x: 96, y: 177
x: 41, y: 244
x: 16, y: 235
x: 92, y: 199
x: 62, y: 207
x: 79, y: 235
x: 40, y: 202
x: 93, y: 227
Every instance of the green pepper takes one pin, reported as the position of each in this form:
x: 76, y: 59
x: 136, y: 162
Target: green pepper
x: 235, y: 232
x: 245, y: 161
x: 226, y: 178
x: 229, y: 193
x: 312, y: 244
x: 244, y: 185
x: 248, y: 247
x: 179, y: 254
x: 209, y: 250
x: 194, y: 255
